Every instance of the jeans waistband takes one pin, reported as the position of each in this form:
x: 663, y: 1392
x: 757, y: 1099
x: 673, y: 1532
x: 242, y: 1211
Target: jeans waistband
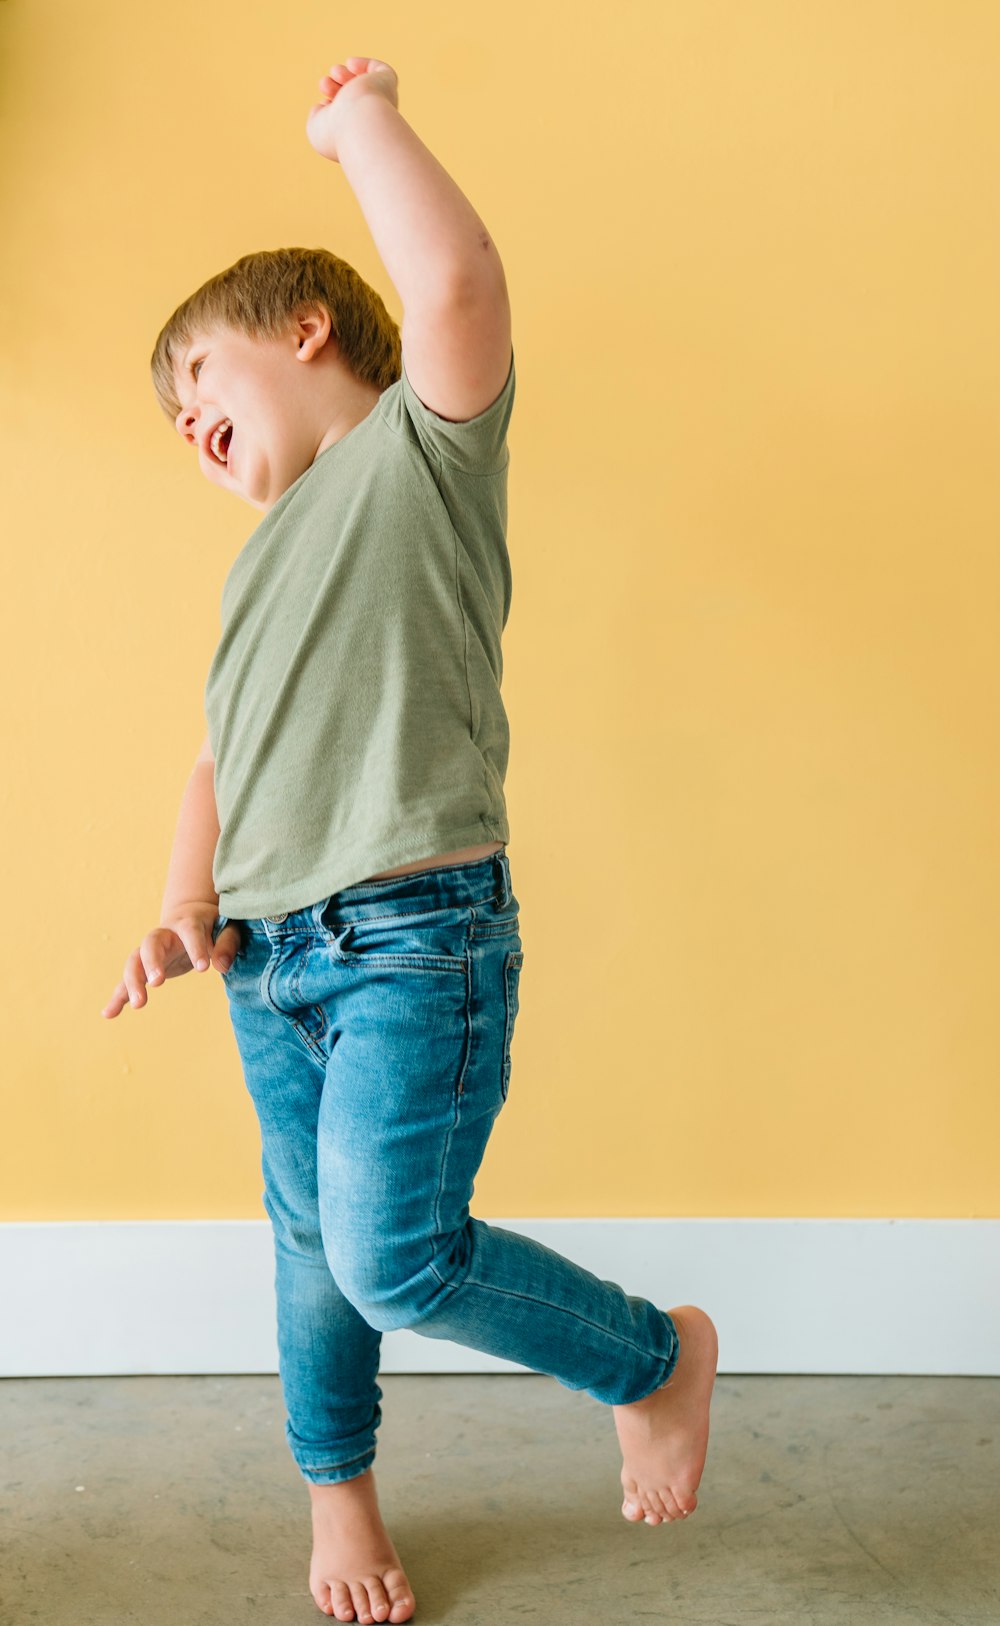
x: 473, y: 884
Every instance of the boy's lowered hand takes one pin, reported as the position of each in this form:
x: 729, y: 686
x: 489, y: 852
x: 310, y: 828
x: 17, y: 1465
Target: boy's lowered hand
x: 172, y: 948
x: 345, y: 84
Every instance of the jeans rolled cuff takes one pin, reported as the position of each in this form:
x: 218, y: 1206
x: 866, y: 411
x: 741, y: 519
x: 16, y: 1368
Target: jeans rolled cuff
x: 666, y: 1368
x: 333, y: 1475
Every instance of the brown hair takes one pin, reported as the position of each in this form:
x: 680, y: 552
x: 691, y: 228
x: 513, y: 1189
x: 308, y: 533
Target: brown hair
x: 263, y: 293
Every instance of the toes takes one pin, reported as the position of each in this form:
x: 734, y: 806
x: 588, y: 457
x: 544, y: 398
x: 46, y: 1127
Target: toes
x: 359, y: 1596
x: 340, y: 1596
x: 652, y: 1510
x: 370, y: 1601
x: 658, y: 1507
x: 632, y: 1507
x: 400, y: 1597
x: 377, y: 1600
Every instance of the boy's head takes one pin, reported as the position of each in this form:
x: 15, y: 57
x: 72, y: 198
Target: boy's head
x: 291, y: 347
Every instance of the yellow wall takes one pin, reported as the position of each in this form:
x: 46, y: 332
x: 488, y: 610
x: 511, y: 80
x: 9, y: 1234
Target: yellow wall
x: 752, y: 662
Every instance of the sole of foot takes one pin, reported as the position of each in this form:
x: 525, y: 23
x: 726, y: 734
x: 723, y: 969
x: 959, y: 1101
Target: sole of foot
x: 664, y: 1436
x: 355, y: 1572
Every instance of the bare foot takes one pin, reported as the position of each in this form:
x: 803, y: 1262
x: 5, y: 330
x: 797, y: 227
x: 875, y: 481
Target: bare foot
x: 355, y: 1570
x: 664, y: 1437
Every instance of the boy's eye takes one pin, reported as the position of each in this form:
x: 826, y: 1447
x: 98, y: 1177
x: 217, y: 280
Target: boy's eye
x: 195, y: 364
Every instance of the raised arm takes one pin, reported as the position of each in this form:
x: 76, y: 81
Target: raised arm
x: 442, y: 261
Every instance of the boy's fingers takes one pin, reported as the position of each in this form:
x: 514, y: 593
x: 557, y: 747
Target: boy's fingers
x: 199, y: 949
x: 147, y: 969
x: 117, y: 1002
x: 226, y: 947
x: 134, y: 978
x: 145, y: 966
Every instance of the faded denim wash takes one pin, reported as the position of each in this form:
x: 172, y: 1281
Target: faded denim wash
x: 374, y: 1029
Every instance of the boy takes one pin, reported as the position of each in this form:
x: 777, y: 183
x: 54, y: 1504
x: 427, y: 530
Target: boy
x: 356, y: 753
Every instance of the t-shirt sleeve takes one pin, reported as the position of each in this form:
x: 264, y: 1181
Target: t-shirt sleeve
x: 476, y: 446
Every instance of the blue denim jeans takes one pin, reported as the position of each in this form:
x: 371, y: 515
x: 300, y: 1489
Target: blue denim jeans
x: 374, y: 1030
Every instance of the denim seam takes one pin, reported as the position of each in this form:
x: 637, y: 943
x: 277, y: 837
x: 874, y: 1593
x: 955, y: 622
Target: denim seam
x: 512, y: 962
x: 416, y: 962
x: 267, y: 977
x: 490, y: 1287
x: 313, y: 1040
x: 456, y: 1106
x: 396, y: 914
x: 270, y: 966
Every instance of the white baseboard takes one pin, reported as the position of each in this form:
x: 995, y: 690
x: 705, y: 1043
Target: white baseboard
x: 910, y: 1296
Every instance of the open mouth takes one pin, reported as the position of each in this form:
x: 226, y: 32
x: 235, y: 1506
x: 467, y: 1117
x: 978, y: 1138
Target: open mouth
x: 219, y: 443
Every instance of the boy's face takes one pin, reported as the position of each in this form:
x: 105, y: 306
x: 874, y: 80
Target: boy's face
x: 287, y: 399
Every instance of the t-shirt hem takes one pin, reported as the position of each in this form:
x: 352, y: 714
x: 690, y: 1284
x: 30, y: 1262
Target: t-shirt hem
x: 350, y: 872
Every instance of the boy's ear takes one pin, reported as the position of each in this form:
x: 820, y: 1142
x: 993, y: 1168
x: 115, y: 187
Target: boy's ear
x: 315, y: 330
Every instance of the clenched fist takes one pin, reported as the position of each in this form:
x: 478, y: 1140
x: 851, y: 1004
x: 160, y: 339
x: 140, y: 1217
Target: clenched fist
x: 344, y: 85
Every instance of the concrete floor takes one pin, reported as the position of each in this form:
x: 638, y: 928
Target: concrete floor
x: 826, y: 1501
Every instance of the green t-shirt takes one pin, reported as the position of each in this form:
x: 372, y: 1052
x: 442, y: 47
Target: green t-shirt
x: 353, y: 702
